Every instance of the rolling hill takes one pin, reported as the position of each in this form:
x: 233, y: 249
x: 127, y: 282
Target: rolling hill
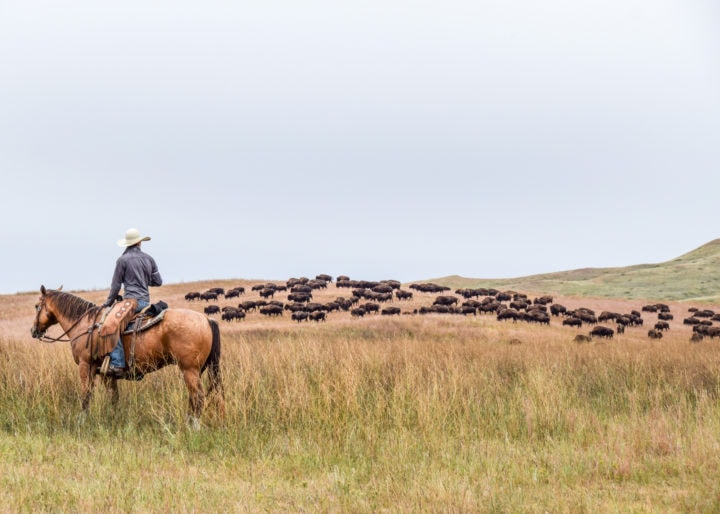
x: 693, y: 276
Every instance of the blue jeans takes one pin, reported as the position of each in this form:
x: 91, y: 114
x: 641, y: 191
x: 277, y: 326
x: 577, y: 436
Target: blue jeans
x: 117, y: 356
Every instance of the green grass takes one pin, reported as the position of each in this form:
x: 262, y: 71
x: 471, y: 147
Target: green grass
x: 694, y: 276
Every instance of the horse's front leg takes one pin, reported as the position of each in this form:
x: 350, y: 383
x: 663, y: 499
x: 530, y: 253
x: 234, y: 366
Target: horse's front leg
x: 86, y: 382
x: 111, y: 385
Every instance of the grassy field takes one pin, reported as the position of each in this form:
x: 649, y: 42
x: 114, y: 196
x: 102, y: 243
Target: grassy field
x: 411, y: 413
x: 694, y: 276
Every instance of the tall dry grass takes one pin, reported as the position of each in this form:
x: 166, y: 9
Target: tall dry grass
x: 414, y: 413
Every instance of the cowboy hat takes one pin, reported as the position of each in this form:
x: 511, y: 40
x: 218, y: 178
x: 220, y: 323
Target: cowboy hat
x: 132, y: 237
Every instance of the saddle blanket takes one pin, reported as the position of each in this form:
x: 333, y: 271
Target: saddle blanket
x: 145, y: 322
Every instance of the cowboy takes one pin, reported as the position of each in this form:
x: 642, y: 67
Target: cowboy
x: 136, y: 271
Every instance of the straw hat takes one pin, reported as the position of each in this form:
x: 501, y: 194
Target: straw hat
x: 132, y: 236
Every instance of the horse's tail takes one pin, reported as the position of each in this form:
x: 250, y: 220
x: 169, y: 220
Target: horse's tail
x: 212, y: 364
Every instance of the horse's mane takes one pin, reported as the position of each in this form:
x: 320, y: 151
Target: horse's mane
x: 70, y: 306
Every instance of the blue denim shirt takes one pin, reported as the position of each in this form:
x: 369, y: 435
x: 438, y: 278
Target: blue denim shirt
x: 136, y: 271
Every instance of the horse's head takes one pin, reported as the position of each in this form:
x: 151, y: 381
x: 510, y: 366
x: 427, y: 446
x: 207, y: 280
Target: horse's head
x: 44, y: 318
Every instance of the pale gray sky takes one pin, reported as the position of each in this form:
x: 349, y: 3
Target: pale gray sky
x: 393, y: 139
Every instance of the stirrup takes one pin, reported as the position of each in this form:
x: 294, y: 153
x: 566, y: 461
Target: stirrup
x: 105, y: 365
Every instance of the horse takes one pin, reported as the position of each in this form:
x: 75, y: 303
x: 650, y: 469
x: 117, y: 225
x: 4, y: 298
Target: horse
x: 183, y: 337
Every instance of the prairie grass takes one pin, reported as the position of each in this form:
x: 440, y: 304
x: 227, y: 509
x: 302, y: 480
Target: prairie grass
x: 415, y: 413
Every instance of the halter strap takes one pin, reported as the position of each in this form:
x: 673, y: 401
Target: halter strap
x: 48, y: 339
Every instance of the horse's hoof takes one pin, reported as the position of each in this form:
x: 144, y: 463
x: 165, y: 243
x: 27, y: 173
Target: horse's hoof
x: 193, y: 423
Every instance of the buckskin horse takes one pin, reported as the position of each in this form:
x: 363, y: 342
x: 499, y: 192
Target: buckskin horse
x: 183, y: 337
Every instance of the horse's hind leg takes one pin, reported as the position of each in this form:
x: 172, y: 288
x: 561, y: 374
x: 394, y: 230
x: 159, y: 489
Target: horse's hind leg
x: 197, y: 396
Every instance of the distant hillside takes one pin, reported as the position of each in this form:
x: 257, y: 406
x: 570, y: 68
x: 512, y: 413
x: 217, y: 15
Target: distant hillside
x: 693, y: 276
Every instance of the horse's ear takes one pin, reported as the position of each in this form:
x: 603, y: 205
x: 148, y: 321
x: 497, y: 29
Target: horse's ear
x: 59, y: 288
x: 43, y: 290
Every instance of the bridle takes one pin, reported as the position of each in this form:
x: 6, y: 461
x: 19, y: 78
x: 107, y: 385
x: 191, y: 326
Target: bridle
x: 49, y: 339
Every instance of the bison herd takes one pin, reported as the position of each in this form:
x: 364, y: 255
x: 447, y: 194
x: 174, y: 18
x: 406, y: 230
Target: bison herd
x: 296, y: 297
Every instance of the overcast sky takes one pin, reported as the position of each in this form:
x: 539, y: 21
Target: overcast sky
x: 377, y: 139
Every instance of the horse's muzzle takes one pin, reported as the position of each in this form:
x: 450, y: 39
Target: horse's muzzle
x: 35, y: 333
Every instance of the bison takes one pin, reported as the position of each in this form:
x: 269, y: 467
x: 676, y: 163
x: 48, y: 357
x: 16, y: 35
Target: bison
x: 212, y: 309
x: 317, y: 316
x: 445, y: 300
x: 300, y: 316
x: 233, y: 314
x: 602, y: 331
x: 403, y: 295
x: 271, y: 310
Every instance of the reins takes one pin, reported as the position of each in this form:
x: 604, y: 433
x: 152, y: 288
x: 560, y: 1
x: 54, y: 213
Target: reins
x: 49, y: 339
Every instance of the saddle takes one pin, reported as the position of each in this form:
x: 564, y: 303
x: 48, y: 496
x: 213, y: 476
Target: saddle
x: 146, y: 318
x: 121, y: 318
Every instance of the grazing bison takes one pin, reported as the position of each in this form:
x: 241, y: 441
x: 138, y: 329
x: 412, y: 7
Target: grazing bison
x: 519, y: 305
x: 445, y: 300
x: 543, y: 300
x: 536, y: 315
x: 212, y: 309
x: 608, y: 316
x: 233, y: 314
x: 209, y: 295
x: 271, y: 310
x: 267, y: 293
x: 358, y: 312
x: 572, y: 322
x: 654, y: 334
x: 665, y: 316
x: 585, y: 315
x: 249, y: 305
x: 508, y: 314
x: 602, y: 331
x: 707, y: 330
x: 317, y: 316
x: 192, y: 296
x: 294, y: 307
x: 582, y: 338
x: 300, y: 316
x: 429, y: 288
x: 556, y: 309
x: 234, y: 292
x: 299, y: 297
x: 468, y: 309
x: 344, y: 303
x: 403, y: 295
x: 705, y: 313
x: 662, y: 325
x: 389, y: 311
x: 371, y: 307
x: 489, y: 307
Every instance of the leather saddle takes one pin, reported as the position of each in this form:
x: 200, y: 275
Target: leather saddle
x: 146, y: 318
